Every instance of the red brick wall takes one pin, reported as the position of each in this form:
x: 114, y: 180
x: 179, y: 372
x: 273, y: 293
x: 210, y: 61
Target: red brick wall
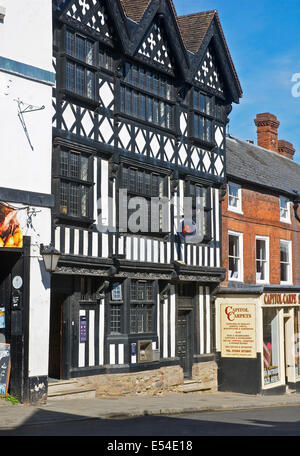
x: 261, y: 216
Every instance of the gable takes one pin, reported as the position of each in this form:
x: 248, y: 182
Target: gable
x: 155, y: 47
x: 208, y: 72
x: 91, y: 14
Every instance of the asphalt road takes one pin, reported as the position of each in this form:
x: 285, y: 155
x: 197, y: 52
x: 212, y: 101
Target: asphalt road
x: 282, y: 421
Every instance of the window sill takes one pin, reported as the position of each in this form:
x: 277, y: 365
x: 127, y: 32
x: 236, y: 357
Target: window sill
x: 287, y: 222
x: 203, y: 143
x: 236, y: 211
x: 121, y: 115
x: 69, y: 94
x: 82, y: 221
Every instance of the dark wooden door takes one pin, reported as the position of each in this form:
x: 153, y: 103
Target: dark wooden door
x: 55, y: 348
x: 184, y: 341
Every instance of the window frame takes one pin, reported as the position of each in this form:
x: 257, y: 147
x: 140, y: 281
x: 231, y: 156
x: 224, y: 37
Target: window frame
x: 240, y: 237
x: 237, y: 209
x: 266, y: 239
x: 286, y: 219
x: 59, y: 178
x: 143, y: 90
x: 199, y: 114
x: 289, y: 263
x: 114, y: 304
x: 135, y: 303
x: 189, y: 183
x: 162, y: 179
x: 69, y: 56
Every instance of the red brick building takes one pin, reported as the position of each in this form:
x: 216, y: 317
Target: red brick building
x: 260, y: 242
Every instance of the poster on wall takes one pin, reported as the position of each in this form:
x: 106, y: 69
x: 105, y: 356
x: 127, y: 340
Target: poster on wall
x: 11, y: 235
x: 5, y: 366
x: 238, y: 331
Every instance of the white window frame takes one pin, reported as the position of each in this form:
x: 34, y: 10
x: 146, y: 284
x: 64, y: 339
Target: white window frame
x: 267, y: 261
x: 240, y: 277
x: 290, y: 270
x: 237, y: 209
x: 286, y: 219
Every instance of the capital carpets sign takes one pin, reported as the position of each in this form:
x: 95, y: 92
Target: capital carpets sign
x: 11, y: 235
x: 238, y: 331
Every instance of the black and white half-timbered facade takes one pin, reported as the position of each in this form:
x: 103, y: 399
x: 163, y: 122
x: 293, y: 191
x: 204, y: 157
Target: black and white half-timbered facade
x: 140, y: 108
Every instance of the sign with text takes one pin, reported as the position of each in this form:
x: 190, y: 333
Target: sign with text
x: 282, y: 298
x: 5, y: 365
x: 238, y: 331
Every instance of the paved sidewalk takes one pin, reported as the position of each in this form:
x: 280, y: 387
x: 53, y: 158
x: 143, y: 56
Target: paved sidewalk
x: 13, y: 416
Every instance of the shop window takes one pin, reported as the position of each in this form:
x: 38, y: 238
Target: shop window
x: 285, y: 262
x: 235, y: 256
x: 271, y: 346
x: 284, y: 210
x: 142, y: 307
x: 262, y: 259
x: 297, y: 342
x: 234, y: 197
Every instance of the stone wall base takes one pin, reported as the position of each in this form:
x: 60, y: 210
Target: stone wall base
x: 151, y: 382
x: 207, y: 375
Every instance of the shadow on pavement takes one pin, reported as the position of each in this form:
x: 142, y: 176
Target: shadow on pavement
x: 47, y: 423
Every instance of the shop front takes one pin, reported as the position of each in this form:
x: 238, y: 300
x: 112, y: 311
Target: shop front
x: 258, y: 336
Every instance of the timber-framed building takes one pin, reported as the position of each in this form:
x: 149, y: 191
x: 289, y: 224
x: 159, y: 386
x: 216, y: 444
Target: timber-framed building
x: 141, y: 103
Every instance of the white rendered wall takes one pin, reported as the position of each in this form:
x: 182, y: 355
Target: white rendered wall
x: 26, y: 38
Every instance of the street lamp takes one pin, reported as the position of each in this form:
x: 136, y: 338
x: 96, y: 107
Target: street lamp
x: 50, y: 257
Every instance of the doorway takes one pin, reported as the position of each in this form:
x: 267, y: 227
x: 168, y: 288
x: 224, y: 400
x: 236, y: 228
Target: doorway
x: 186, y: 293
x: 184, y: 352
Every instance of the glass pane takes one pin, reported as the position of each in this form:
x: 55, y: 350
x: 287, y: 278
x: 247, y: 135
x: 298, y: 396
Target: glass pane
x: 271, y: 346
x: 142, y: 106
x: 84, y: 168
x: 156, y: 112
x: 233, y: 246
x: 69, y: 43
x: 70, y: 76
x: 196, y: 125
x: 202, y: 103
x: 90, y: 82
x: 73, y: 199
x: 63, y: 197
x: 208, y: 130
x: 234, y: 268
x: 284, y: 252
x: 64, y: 163
x: 162, y: 114
x: 135, y: 104
x: 149, y: 109
x: 80, y: 80
x: 84, y: 201
x: 128, y: 101
x: 74, y: 165
x: 89, y: 53
x: 201, y: 131
x: 261, y: 253
x: 115, y: 319
x: 80, y: 48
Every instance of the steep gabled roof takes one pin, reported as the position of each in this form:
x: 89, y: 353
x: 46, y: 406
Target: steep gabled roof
x: 259, y: 166
x: 135, y: 9
x: 193, y: 28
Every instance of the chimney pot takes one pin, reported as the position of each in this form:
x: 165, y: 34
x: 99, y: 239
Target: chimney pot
x: 267, y: 131
x: 286, y: 149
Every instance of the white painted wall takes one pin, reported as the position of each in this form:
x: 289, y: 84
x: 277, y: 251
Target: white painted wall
x: 26, y: 37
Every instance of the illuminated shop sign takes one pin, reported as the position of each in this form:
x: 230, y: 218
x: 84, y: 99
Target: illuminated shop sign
x: 10, y: 232
x: 282, y: 298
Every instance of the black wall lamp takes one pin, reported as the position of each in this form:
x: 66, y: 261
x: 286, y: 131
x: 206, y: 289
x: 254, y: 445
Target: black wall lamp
x: 50, y: 256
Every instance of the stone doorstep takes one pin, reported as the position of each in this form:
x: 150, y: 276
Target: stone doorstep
x: 69, y: 389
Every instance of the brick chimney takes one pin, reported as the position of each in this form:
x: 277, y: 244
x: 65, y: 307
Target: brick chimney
x: 267, y: 131
x: 286, y: 149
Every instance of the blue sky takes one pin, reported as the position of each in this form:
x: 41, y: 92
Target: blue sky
x: 263, y: 38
